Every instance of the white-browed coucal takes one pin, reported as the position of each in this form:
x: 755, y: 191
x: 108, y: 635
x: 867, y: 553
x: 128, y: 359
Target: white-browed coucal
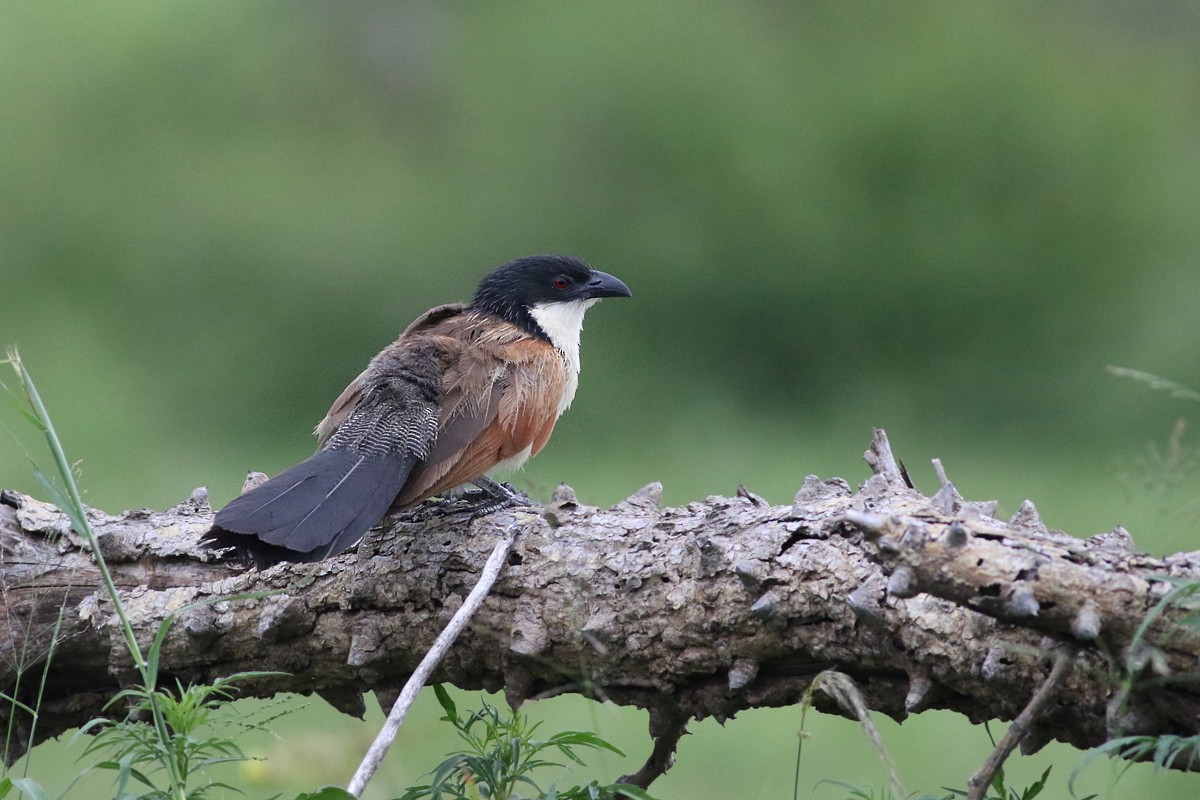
x: 466, y: 389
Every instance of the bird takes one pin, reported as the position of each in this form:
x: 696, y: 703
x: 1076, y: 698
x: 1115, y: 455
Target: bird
x: 468, y: 389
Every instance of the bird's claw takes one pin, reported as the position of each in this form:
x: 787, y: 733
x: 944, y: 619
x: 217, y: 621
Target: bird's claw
x: 491, y: 496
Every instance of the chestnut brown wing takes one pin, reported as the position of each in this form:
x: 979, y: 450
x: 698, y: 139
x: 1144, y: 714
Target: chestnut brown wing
x: 500, y: 402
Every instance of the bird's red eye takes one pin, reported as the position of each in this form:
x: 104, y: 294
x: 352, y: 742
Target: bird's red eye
x: 561, y: 282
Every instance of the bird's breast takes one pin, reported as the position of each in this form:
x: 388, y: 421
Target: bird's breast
x: 571, y: 366
x: 562, y: 324
x: 514, y: 462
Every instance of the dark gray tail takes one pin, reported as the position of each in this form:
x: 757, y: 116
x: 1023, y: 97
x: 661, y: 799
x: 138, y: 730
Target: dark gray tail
x: 314, y: 510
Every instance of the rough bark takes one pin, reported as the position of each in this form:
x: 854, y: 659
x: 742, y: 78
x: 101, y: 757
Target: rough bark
x: 703, y: 610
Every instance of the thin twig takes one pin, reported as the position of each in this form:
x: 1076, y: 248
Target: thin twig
x: 379, y: 748
x: 978, y: 785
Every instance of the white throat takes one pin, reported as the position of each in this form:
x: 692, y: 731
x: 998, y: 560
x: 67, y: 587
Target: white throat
x: 562, y: 322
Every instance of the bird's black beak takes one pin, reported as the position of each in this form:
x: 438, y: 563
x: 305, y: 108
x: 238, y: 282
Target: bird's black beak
x: 604, y: 285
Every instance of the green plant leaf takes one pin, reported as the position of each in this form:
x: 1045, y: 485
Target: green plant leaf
x: 1037, y: 786
x: 7, y: 698
x: 27, y: 786
x: 446, y: 702
x: 584, y: 739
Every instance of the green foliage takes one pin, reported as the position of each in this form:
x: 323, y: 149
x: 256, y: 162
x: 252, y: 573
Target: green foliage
x: 1182, y: 603
x: 502, y: 755
x: 1180, y: 608
x: 1166, y: 751
x: 1001, y: 791
x: 158, y: 743
x: 28, y: 787
x: 884, y: 793
x: 134, y: 749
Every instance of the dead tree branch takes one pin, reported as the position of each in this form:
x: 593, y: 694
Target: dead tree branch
x: 691, y: 612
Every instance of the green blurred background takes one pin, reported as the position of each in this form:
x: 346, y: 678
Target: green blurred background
x: 943, y: 219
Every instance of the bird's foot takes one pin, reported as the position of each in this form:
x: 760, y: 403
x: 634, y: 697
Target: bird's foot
x: 504, y: 491
x: 490, y: 497
x: 488, y: 505
x: 446, y: 502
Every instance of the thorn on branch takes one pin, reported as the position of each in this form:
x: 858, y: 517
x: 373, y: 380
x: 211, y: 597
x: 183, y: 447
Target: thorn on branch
x: 347, y: 701
x: 200, y: 625
x: 979, y: 509
x: 766, y: 607
x: 1028, y: 518
x: 815, y: 490
x: 994, y: 663
x: 742, y: 673
x: 920, y: 692
x: 902, y: 583
x: 564, y: 495
x: 865, y: 600
x: 563, y: 504
x: 874, y: 525
x: 197, y: 502
x: 882, y: 461
x: 282, y: 618
x: 947, y: 499
x: 254, y: 480
x: 750, y: 573
x: 1022, y: 603
x: 755, y: 499
x: 528, y: 636
x: 1117, y: 539
x: 364, y: 647
x: 1086, y: 625
x: 598, y: 629
x: 647, y: 498
x: 957, y: 535
x: 518, y: 685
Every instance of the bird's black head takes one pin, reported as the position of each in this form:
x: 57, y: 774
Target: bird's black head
x: 512, y: 290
